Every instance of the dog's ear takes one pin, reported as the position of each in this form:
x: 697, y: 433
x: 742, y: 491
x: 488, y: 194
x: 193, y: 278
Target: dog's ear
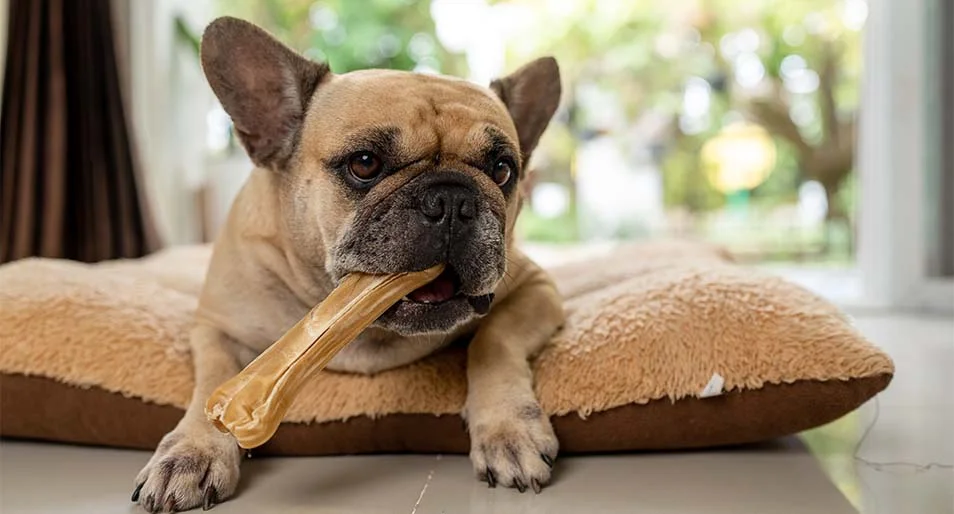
x: 262, y: 84
x: 531, y: 94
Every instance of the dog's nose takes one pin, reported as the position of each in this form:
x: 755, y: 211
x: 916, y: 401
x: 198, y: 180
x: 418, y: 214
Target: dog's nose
x: 443, y: 203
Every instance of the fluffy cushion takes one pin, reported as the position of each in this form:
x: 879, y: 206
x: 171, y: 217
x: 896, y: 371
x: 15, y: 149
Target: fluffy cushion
x: 98, y: 354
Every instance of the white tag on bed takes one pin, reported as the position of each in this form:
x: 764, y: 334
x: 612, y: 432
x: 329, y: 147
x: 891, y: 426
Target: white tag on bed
x: 714, y: 387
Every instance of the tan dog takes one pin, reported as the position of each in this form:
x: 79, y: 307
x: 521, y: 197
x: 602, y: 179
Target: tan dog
x: 379, y: 172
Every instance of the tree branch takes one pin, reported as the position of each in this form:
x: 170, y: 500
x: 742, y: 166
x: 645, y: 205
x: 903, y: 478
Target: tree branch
x: 773, y: 114
x: 827, y: 76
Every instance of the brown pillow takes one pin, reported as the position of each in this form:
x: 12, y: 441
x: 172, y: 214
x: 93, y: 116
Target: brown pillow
x: 97, y: 354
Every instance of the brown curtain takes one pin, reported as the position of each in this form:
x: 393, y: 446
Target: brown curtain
x: 69, y: 187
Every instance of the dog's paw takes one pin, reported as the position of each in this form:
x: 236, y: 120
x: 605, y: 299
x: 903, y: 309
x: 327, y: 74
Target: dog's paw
x: 189, y: 471
x: 513, y: 449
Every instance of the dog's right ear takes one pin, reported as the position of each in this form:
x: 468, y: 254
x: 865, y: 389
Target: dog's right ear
x: 262, y: 84
x: 531, y: 94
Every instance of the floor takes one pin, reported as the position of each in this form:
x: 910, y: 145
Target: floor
x: 903, y: 465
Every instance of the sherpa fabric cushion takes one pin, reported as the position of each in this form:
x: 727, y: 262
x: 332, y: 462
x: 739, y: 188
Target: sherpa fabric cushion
x: 98, y: 354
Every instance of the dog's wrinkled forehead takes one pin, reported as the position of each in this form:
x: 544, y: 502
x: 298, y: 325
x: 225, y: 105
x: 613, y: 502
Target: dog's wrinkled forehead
x: 423, y: 115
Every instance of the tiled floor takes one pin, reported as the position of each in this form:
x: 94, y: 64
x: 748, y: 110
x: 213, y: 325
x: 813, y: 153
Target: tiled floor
x: 905, y: 462
x: 914, y: 427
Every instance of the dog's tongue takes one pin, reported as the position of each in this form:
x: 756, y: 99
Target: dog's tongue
x: 443, y: 288
x: 440, y: 290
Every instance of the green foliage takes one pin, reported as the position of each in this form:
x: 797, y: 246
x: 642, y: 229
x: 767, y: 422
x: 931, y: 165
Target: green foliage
x: 685, y: 183
x: 352, y: 35
x: 562, y: 229
x: 185, y: 35
x: 782, y: 184
x: 554, y: 155
x: 643, y: 51
x: 638, y: 52
x: 846, y: 198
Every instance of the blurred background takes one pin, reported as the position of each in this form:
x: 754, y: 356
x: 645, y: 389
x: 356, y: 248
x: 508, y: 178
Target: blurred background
x: 812, y: 138
x: 711, y: 119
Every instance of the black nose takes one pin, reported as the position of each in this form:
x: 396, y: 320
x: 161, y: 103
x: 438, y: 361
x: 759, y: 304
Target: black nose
x: 446, y: 203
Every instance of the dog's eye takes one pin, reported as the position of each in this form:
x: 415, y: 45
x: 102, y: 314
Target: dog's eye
x: 502, y: 171
x: 364, y: 166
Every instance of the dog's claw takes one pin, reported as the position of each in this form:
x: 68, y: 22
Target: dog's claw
x: 491, y: 479
x: 170, y: 505
x: 535, y: 484
x: 548, y: 460
x: 149, y: 504
x: 211, y: 497
x: 519, y: 485
x: 135, y: 494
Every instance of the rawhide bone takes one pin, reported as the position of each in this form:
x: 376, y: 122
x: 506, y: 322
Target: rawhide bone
x: 253, y: 403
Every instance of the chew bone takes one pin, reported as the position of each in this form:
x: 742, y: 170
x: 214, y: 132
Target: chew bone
x: 253, y: 403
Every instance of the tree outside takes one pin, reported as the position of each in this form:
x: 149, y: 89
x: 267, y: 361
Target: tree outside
x: 664, y: 79
x: 350, y: 35
x: 732, y: 121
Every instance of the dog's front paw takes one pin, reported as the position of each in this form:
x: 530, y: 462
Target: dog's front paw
x: 513, y: 448
x: 189, y: 471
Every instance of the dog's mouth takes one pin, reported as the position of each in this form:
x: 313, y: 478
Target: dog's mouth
x: 445, y: 288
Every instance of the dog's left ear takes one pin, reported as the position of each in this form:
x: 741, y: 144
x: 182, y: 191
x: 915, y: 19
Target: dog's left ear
x: 531, y: 94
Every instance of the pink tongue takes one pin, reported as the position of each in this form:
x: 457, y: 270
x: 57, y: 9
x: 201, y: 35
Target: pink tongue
x: 437, y: 291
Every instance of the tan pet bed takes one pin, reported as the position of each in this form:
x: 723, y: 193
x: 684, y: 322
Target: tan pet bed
x: 97, y: 354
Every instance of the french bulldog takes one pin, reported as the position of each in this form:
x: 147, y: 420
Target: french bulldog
x: 373, y: 171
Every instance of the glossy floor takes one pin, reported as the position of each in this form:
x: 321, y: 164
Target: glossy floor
x: 902, y: 466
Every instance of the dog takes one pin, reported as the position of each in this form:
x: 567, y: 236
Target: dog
x: 373, y: 171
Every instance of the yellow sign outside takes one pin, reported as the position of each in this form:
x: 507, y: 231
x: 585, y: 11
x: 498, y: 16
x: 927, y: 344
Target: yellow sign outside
x: 739, y: 158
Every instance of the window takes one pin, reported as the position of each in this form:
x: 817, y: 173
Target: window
x: 735, y: 122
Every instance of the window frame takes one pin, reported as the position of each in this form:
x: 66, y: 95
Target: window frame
x: 897, y: 157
